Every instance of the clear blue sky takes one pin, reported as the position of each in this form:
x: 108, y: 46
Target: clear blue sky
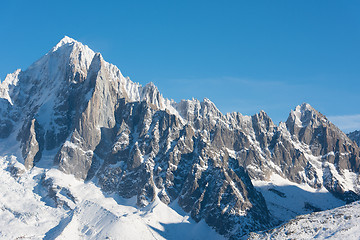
x: 245, y: 56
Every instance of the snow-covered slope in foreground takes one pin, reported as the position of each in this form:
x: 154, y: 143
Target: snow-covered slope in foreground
x: 338, y: 223
x: 29, y: 209
x: 286, y: 200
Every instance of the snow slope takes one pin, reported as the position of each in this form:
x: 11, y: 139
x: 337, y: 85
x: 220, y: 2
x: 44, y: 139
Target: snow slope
x: 286, y: 200
x: 48, y: 204
x: 338, y: 223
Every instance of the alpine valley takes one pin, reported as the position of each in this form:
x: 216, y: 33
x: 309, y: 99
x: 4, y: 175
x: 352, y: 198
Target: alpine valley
x: 85, y: 153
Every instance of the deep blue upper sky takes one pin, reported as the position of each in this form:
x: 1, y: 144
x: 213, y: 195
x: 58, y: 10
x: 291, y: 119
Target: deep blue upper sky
x: 245, y: 56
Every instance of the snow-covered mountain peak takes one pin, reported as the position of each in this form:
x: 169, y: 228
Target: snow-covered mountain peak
x: 304, y: 107
x: 149, y: 87
x: 11, y: 78
x: 206, y: 100
x: 69, y: 60
x: 193, y: 109
x: 65, y: 40
x: 210, y: 108
x: 10, y: 81
x: 68, y: 49
x: 304, y: 114
x: 151, y: 94
x: 263, y: 115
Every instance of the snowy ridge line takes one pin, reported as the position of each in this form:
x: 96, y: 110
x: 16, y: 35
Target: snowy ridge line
x: 133, y: 91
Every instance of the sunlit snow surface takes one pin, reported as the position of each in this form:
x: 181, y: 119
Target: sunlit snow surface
x: 31, y: 208
x: 338, y: 223
x: 286, y: 200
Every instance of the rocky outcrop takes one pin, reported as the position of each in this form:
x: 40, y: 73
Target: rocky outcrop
x: 6, y: 122
x: 337, y: 153
x: 29, y: 144
x: 355, y: 136
x: 313, y: 129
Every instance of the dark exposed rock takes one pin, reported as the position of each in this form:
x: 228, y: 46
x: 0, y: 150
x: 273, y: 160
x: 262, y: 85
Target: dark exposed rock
x: 29, y: 143
x: 6, y: 124
x: 277, y: 192
x: 355, y: 136
x: 313, y: 129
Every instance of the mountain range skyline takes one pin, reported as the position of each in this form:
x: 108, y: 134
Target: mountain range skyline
x: 244, y: 56
x: 347, y: 123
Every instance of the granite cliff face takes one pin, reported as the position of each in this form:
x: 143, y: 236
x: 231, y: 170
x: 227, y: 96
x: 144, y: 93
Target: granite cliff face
x: 74, y: 111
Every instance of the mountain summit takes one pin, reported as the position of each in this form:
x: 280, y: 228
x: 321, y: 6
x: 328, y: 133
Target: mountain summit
x: 64, y: 41
x: 72, y: 112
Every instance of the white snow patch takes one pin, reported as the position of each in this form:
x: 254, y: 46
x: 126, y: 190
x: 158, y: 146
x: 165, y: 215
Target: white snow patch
x: 286, y: 199
x: 339, y: 223
x: 92, y: 215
